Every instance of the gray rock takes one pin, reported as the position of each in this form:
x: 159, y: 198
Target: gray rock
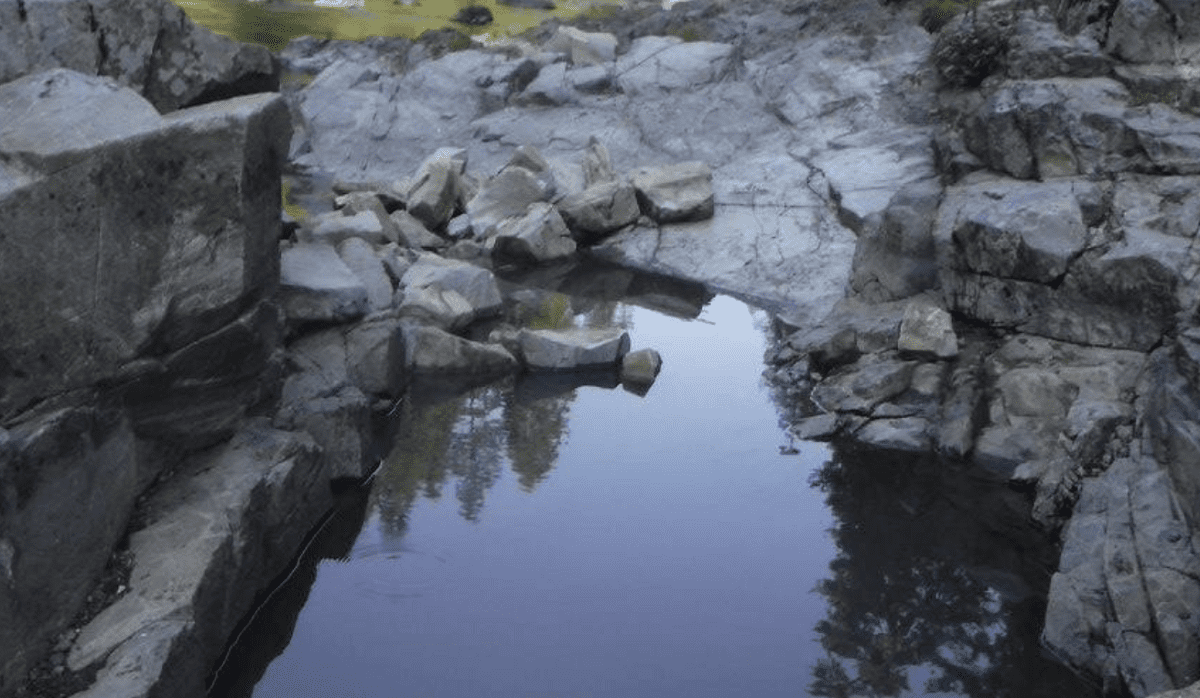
x: 437, y: 190
x: 257, y: 494
x: 673, y: 193
x: 583, y: 48
x: 600, y: 209
x: 147, y: 45
x: 414, y: 234
x: 508, y: 194
x: 851, y: 330
x: 1141, y: 31
x: 316, y: 286
x: 864, y: 384
x: 572, y: 348
x: 816, y: 428
x: 898, y: 434
x: 375, y: 356
x: 1038, y: 49
x: 450, y: 292
x: 538, y: 236
x: 592, y: 79
x: 361, y: 260
x: 429, y: 350
x: 640, y: 368
x: 664, y: 63
x: 927, y: 329
x: 896, y: 258
x: 550, y: 88
x: 334, y: 227
x: 172, y: 223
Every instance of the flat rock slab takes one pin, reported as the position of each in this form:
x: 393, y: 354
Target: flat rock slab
x: 572, y: 348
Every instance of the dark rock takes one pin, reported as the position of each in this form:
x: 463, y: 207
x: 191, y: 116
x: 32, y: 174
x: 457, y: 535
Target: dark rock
x: 147, y: 45
x: 194, y: 198
x: 474, y: 15
x: 529, y: 4
x: 68, y: 480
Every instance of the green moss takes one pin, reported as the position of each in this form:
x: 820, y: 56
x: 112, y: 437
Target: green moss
x: 688, y: 32
x: 553, y: 314
x: 292, y: 209
x: 935, y: 14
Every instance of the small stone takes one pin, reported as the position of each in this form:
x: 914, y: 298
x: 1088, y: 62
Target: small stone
x: 927, y: 329
x: 639, y: 369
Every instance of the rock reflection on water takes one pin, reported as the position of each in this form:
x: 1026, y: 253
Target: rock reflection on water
x: 938, y: 586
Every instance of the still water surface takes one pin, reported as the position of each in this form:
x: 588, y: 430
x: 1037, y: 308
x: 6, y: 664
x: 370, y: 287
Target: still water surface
x: 522, y: 542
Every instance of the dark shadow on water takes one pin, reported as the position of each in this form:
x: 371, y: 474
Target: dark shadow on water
x: 939, y: 584
x: 263, y: 636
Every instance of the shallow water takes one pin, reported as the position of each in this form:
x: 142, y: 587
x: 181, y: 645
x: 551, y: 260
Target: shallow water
x: 534, y: 539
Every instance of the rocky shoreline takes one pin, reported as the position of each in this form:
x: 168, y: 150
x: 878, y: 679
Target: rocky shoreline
x: 991, y: 262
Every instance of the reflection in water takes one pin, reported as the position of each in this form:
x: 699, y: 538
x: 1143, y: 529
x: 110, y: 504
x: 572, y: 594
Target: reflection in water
x: 939, y: 578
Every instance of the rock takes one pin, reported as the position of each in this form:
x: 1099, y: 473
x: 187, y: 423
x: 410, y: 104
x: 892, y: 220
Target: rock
x: 316, y: 286
x: 816, y: 428
x: 172, y: 223
x: 600, y: 209
x: 550, y: 88
x: 639, y: 369
x: 1141, y: 32
x: 583, y: 48
x: 529, y: 4
x: 77, y: 473
x: 864, y: 384
x: 414, y: 234
x: 451, y: 293
x: 318, y: 398
x: 429, y: 350
x: 572, y: 348
x: 474, y: 15
x: 1059, y: 127
x: 508, y: 194
x: 334, y: 227
x: 375, y: 357
x: 665, y: 63
x: 359, y: 256
x: 851, y: 330
x: 674, y: 193
x: 437, y: 190
x: 1038, y: 49
x: 961, y: 414
x: 538, y: 236
x: 258, y: 494
x: 927, y: 329
x: 147, y: 45
x: 591, y: 79
x: 898, y: 434
x: 896, y: 258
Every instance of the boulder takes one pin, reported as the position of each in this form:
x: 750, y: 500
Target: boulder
x: 896, y: 434
x: 172, y: 223
x: 538, y: 236
x: 506, y: 195
x: 927, y: 329
x: 429, y: 350
x: 437, y: 190
x: 414, y: 234
x: 572, y: 348
x: 896, y: 259
x: 147, y: 45
x: 316, y: 286
x: 335, y: 226
x: 450, y: 293
x: 360, y: 258
x: 672, y: 193
x: 1141, y: 31
x: 639, y: 369
x: 863, y: 385
x: 550, y: 88
x: 583, y: 48
x: 600, y: 209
